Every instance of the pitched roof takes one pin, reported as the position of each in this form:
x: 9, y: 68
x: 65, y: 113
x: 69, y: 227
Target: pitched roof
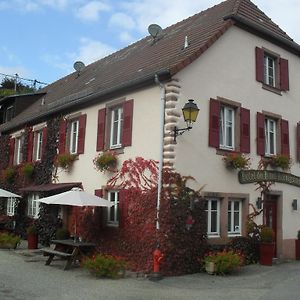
x: 139, y: 62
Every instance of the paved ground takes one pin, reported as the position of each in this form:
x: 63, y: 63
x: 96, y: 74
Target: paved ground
x: 23, y: 276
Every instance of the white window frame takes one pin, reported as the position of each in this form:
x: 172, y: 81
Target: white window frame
x: 10, y: 206
x: 269, y: 70
x: 225, y: 125
x: 116, y: 127
x: 74, y: 132
x: 270, y: 135
x: 18, y: 150
x: 234, y: 230
x: 115, y: 220
x: 38, y: 142
x: 209, y: 211
x: 33, y: 207
x: 9, y: 109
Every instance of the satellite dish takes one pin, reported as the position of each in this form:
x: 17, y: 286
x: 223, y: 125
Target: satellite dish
x: 154, y: 30
x: 79, y: 66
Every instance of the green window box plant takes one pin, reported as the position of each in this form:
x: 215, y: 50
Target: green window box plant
x: 27, y: 170
x: 106, y: 161
x: 65, y: 161
x: 236, y: 161
x: 9, y: 174
x: 277, y: 161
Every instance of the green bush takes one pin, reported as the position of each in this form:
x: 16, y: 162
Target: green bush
x: 32, y: 230
x: 9, y: 240
x: 247, y: 246
x: 27, y: 170
x: 105, y: 266
x: 9, y: 174
x: 225, y: 261
x: 266, y: 234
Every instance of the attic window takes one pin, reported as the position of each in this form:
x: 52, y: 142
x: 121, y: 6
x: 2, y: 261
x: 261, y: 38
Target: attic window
x: 9, y: 113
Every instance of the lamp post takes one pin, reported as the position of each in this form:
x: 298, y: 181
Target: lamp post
x: 190, y: 112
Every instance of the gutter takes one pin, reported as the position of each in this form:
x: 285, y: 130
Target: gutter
x: 290, y: 45
x: 91, y: 98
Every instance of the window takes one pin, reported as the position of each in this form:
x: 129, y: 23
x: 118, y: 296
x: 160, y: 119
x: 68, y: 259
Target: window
x: 270, y: 136
x: 9, y: 114
x: 10, y: 207
x: 212, y: 208
x: 227, y: 127
x: 33, y: 207
x: 18, y: 153
x: 113, y: 212
x: 74, y: 130
x: 234, y: 217
x: 38, y: 140
x: 272, y: 70
x: 269, y: 70
x: 116, y: 127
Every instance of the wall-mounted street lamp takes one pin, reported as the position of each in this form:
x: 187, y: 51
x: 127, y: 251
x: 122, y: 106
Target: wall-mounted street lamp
x: 294, y: 204
x: 190, y: 113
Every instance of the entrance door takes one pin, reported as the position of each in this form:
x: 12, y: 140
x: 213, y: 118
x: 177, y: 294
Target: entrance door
x: 270, y: 217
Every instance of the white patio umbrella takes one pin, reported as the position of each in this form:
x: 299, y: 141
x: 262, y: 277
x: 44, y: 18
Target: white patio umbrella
x: 76, y: 197
x: 7, y: 194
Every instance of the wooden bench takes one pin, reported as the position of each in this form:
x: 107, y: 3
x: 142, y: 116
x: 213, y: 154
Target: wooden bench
x: 68, y: 256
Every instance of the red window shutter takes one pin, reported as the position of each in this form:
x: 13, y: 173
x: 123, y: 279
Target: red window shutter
x: 123, y: 208
x: 11, y: 151
x: 127, y: 124
x: 99, y: 193
x: 245, y: 130
x: 260, y: 139
x: 81, y: 134
x: 214, y: 123
x: 284, y: 74
x: 30, y: 145
x: 62, y: 136
x: 259, y: 56
x: 44, y: 141
x: 285, y: 143
x: 101, y: 129
x: 298, y: 141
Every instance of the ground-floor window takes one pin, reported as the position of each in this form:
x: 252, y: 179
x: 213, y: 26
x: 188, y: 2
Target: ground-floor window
x: 113, y: 212
x: 33, y: 207
x: 212, y: 208
x: 10, y: 206
x: 234, y: 216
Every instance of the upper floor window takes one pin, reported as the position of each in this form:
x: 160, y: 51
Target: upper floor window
x: 270, y: 136
x: 9, y: 113
x: 10, y: 206
x: 271, y: 70
x: 38, y: 141
x: 212, y: 208
x: 74, y: 131
x: 234, y: 217
x: 229, y: 126
x: 33, y: 207
x: 113, y: 212
x: 18, y: 153
x: 116, y: 127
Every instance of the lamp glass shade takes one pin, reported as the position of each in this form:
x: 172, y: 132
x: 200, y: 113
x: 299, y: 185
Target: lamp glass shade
x: 190, y: 112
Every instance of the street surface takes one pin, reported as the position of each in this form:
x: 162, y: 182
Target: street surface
x: 24, y: 277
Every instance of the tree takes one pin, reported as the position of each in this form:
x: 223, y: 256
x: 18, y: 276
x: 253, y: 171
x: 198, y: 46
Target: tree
x: 8, y: 85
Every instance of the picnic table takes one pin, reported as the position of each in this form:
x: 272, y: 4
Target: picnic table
x: 70, y: 250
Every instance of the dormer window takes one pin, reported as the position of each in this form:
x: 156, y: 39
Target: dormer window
x: 9, y: 113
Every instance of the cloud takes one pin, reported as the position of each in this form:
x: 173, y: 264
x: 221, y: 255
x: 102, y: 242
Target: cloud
x: 20, y: 70
x: 91, y: 11
x: 126, y: 37
x: 122, y: 20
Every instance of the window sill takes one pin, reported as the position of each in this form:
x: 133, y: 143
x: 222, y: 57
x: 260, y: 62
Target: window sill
x: 271, y: 89
x: 114, y: 225
x: 234, y: 234
x: 210, y: 236
x: 222, y: 151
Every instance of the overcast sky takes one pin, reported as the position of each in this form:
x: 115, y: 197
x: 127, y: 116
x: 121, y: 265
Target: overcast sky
x: 41, y: 39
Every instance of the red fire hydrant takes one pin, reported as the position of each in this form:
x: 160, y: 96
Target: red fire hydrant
x: 157, y: 257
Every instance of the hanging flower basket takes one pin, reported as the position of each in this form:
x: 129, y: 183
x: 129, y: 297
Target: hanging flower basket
x: 106, y: 161
x: 236, y: 161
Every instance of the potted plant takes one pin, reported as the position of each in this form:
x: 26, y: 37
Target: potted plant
x: 9, y: 174
x: 106, y: 160
x: 266, y: 247
x: 277, y: 161
x: 236, y: 161
x: 297, y: 246
x: 27, y: 170
x: 32, y: 237
x: 65, y: 160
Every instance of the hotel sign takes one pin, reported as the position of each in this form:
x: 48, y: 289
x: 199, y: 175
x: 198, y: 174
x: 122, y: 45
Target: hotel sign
x: 250, y: 176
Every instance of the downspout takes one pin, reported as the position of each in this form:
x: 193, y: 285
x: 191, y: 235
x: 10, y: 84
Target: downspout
x: 161, y: 153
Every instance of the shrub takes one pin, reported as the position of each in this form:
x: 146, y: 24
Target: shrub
x: 9, y: 240
x: 236, y: 161
x: 225, y: 261
x: 32, y: 230
x: 9, y: 174
x: 27, y: 170
x: 247, y: 246
x: 266, y: 234
x: 105, y: 266
x: 105, y: 161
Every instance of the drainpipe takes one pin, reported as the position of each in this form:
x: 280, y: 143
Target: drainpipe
x: 161, y: 153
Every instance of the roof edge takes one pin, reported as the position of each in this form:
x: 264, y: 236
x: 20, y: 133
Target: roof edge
x: 289, y: 45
